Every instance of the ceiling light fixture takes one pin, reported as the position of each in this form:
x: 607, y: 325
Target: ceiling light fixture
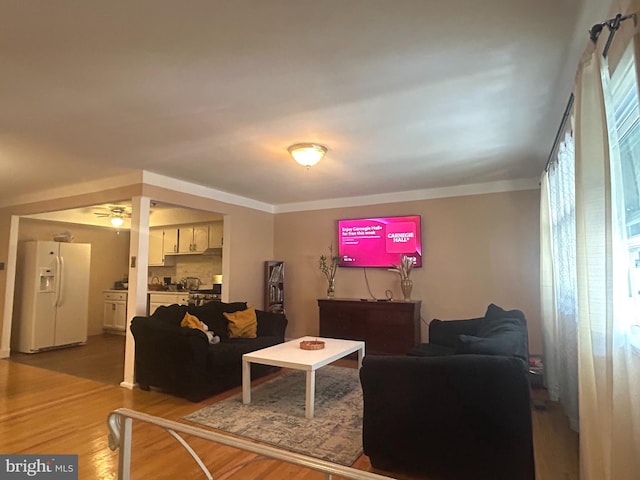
x: 307, y: 154
x: 117, y: 221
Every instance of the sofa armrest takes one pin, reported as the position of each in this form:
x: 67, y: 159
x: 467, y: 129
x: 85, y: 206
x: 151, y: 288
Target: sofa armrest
x: 463, y: 416
x: 446, y: 332
x: 167, y: 356
x: 271, y: 324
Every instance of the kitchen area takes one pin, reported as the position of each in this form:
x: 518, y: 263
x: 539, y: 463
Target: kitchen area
x: 185, y: 267
x: 184, y: 263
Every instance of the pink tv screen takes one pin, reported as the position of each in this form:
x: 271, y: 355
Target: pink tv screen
x: 379, y: 242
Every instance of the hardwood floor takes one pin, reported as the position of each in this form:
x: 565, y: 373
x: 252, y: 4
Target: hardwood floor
x: 44, y: 411
x: 100, y: 359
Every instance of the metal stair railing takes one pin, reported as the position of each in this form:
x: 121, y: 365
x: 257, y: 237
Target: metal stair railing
x: 120, y: 423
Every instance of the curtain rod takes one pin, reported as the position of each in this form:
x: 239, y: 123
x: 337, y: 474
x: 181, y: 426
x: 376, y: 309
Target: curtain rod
x: 613, y: 24
x: 563, y: 122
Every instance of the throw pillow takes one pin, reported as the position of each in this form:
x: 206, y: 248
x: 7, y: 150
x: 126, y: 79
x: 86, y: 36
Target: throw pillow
x: 506, y: 343
x: 191, y: 321
x: 242, y: 324
x: 492, y: 326
x: 494, y: 311
x: 212, y: 314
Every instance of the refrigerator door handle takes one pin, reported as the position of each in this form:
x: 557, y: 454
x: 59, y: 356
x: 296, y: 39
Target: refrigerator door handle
x: 61, y: 282
x: 56, y: 297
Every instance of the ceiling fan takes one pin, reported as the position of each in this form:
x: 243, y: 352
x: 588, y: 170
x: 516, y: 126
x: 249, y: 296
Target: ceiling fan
x: 116, y: 214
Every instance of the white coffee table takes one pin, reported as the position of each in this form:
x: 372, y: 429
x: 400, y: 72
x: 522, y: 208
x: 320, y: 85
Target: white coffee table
x: 290, y: 355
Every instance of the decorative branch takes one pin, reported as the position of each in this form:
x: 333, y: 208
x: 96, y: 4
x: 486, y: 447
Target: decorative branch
x: 329, y: 265
x: 404, y: 268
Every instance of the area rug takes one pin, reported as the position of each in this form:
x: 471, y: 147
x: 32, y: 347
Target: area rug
x: 276, y: 415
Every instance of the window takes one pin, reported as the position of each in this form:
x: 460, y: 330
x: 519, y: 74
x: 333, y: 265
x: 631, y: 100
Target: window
x: 625, y: 186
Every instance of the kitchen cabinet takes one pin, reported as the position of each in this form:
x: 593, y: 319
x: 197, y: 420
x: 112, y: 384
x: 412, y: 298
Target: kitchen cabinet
x: 157, y: 299
x: 156, y: 248
x: 193, y: 239
x: 215, y: 235
x: 115, y: 311
x: 170, y: 240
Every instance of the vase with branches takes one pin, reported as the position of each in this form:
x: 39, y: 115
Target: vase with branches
x: 329, y: 266
x: 404, y: 270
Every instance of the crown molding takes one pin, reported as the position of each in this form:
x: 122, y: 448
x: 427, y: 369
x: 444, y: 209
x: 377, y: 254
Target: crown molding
x: 90, y: 186
x: 413, y: 195
x: 157, y: 180
x: 162, y: 181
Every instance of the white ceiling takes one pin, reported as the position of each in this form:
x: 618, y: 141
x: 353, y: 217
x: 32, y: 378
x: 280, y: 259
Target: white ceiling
x: 406, y: 94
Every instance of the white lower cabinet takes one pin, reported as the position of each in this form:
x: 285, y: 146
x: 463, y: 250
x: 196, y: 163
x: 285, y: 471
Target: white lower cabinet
x: 167, y: 298
x: 115, y: 311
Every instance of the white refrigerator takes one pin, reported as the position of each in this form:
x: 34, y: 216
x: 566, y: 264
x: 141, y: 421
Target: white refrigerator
x: 52, y: 295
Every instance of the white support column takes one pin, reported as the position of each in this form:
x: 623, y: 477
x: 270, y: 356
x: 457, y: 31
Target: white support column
x: 226, y: 258
x: 10, y: 281
x: 138, y: 272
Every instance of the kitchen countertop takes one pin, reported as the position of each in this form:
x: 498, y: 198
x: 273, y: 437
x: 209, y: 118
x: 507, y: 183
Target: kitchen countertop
x: 166, y: 292
x: 150, y: 292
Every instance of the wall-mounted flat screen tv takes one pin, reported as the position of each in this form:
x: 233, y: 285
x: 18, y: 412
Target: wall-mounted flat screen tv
x: 379, y: 242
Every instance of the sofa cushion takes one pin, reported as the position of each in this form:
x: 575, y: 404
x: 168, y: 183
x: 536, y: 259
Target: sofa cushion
x: 242, y: 324
x: 496, y: 336
x: 271, y: 324
x: 495, y: 312
x: 171, y: 314
x: 212, y: 314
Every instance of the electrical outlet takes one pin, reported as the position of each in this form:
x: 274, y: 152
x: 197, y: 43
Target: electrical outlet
x: 1, y: 265
x: 133, y: 262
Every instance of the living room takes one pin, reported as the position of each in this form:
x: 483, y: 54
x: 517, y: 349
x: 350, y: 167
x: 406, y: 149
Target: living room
x: 486, y: 225
x: 472, y: 175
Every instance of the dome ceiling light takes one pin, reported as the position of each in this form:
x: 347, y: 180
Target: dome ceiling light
x: 117, y: 221
x: 307, y: 154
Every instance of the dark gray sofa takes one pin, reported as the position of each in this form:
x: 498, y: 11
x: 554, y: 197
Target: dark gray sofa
x: 180, y: 360
x: 455, y: 408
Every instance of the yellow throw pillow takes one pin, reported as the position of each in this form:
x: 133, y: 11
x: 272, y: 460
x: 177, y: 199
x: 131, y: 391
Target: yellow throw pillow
x: 242, y: 324
x: 192, y: 321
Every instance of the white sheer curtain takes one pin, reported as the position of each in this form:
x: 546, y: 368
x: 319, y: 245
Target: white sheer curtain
x: 558, y: 280
x: 609, y: 364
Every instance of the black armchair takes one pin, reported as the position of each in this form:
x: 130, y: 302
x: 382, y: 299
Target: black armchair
x: 450, y: 413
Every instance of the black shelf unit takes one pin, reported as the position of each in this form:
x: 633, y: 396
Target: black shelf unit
x: 274, y: 286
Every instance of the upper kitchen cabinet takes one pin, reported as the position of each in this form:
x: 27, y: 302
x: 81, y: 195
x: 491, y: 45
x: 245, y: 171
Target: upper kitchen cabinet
x: 161, y: 242
x: 170, y: 242
x: 215, y: 235
x: 193, y: 239
x: 156, y: 252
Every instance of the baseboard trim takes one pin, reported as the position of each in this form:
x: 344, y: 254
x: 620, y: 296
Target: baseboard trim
x: 128, y: 385
x: 4, y: 353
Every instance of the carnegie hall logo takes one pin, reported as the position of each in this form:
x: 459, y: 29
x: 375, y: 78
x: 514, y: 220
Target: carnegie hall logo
x: 401, y: 237
x: 51, y: 467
